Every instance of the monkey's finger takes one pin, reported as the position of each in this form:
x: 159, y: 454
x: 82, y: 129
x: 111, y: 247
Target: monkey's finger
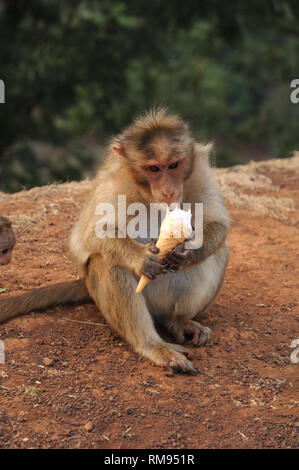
x: 174, y: 264
x: 157, y: 261
x: 196, y: 339
x: 183, y: 255
x: 200, y: 337
x: 182, y: 349
x: 205, y: 335
x: 176, y: 255
x: 189, y: 354
x: 180, y: 253
x: 172, y: 268
x: 153, y: 267
x: 159, y: 269
x: 171, y: 259
x: 183, y: 366
x: 153, y: 248
x: 148, y: 274
x: 180, y: 338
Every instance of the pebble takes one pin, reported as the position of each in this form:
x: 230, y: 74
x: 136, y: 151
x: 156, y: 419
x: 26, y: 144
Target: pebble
x: 47, y: 361
x: 88, y: 426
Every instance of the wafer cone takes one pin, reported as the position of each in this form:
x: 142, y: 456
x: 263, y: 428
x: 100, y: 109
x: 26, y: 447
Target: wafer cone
x: 175, y: 228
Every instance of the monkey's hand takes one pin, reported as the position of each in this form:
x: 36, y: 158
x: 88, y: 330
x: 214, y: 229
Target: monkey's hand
x: 152, y: 265
x: 176, y: 258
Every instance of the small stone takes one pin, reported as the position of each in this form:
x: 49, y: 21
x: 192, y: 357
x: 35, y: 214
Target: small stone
x: 39, y: 341
x: 47, y: 361
x: 88, y: 426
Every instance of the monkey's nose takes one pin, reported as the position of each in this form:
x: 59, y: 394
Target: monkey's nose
x: 169, y: 196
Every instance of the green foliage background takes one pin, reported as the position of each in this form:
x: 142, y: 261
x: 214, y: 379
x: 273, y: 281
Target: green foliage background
x: 78, y: 71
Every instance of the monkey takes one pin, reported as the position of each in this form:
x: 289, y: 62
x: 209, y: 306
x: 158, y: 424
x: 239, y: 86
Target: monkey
x: 7, y: 241
x: 154, y: 160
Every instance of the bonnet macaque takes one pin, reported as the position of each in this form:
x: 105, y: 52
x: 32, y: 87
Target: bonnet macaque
x: 154, y: 160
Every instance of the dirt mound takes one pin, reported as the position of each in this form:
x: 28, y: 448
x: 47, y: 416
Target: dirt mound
x: 258, y: 187
x: 69, y: 381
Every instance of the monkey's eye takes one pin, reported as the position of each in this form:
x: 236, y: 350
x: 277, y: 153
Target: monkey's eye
x: 173, y: 165
x: 153, y: 168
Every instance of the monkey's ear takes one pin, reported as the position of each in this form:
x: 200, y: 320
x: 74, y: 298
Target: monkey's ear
x: 118, y: 149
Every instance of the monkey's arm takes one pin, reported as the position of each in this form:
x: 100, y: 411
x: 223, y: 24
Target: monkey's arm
x: 128, y: 253
x: 214, y: 235
x: 201, y: 187
x: 89, y: 237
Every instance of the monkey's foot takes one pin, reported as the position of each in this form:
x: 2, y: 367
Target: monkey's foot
x: 171, y: 356
x: 179, y: 327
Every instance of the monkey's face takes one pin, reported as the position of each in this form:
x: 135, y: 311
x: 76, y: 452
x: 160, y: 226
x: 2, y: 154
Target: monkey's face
x: 165, y: 179
x: 163, y: 168
x: 7, y: 241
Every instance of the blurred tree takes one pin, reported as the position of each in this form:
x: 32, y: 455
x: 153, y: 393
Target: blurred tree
x: 86, y: 67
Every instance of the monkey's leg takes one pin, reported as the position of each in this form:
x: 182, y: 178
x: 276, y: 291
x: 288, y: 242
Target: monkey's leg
x: 113, y: 290
x: 180, y: 326
x: 186, y: 295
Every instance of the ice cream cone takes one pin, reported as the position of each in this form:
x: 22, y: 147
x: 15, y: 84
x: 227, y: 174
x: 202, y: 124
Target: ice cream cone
x: 175, y: 228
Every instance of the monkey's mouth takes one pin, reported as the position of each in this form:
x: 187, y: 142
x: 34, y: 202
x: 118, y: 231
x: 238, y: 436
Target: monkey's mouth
x: 172, y: 201
x: 5, y: 256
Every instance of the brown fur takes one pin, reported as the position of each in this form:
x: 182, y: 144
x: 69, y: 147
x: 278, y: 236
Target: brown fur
x: 42, y: 298
x: 7, y: 240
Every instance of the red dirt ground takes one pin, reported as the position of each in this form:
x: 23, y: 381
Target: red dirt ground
x: 70, y: 382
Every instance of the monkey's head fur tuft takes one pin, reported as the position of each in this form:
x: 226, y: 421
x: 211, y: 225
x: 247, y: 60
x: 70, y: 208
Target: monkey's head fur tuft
x: 156, y: 120
x: 160, y: 118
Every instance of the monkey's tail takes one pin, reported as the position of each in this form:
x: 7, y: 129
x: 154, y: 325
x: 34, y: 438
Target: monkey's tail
x: 42, y: 298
